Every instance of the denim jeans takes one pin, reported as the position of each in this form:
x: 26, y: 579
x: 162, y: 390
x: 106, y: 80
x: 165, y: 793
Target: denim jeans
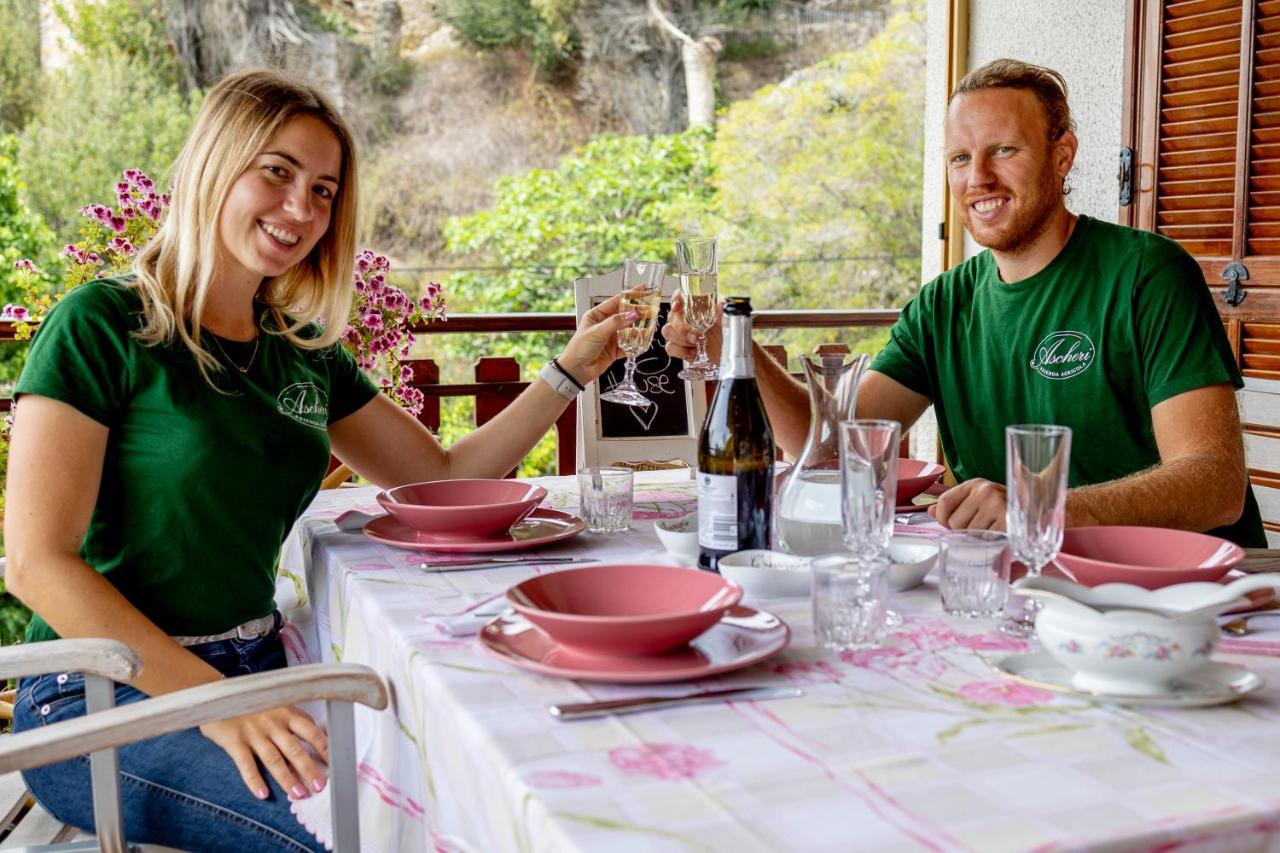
x: 180, y: 790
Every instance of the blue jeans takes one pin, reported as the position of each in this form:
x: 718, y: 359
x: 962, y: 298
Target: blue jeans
x: 180, y: 790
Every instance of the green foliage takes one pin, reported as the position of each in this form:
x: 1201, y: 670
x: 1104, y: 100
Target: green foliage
x: 755, y: 47
x: 134, y: 28
x: 828, y: 164
x: 97, y: 118
x: 543, y: 26
x: 608, y: 201
x: 19, y: 62
x: 23, y: 233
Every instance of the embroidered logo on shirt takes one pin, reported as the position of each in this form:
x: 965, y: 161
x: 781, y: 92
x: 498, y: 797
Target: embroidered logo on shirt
x: 306, y: 404
x: 1062, y: 355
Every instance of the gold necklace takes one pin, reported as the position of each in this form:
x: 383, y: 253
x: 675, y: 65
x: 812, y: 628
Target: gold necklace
x: 257, y: 339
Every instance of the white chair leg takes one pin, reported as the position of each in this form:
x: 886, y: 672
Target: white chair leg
x: 104, y: 767
x: 342, y: 776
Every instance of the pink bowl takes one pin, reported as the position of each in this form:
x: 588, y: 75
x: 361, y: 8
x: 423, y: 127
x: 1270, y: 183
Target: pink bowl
x: 624, y: 610
x: 462, y: 509
x: 914, y: 476
x: 1149, y: 557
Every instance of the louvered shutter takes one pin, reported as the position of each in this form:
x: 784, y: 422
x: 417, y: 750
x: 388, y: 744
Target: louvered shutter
x: 1207, y: 102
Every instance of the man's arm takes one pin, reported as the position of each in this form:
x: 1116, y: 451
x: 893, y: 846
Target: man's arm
x: 1198, y: 485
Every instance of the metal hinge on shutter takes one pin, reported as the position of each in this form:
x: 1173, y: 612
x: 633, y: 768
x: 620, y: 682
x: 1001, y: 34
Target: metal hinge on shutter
x: 1233, y: 275
x: 1126, y: 176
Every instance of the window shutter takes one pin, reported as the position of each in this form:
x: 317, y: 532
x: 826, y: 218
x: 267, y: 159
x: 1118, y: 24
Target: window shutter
x: 1205, y: 108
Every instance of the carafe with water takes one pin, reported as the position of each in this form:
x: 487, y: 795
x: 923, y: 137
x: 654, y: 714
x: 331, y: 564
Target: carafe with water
x: 807, y: 511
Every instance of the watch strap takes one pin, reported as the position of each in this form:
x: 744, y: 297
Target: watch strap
x: 561, y: 383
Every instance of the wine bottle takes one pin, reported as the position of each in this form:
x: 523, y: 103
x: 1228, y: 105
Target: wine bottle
x: 735, y: 451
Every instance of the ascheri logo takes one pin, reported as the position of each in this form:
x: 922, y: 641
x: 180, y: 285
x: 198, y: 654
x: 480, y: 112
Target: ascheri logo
x: 1062, y: 355
x: 305, y: 403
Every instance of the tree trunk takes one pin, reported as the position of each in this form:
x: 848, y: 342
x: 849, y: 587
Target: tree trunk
x: 700, y: 79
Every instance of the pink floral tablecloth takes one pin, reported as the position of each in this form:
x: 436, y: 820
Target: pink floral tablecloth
x: 915, y: 745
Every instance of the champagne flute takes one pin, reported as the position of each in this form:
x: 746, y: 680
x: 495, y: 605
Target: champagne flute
x: 1037, y: 458
x: 696, y: 257
x: 868, y: 490
x: 641, y: 293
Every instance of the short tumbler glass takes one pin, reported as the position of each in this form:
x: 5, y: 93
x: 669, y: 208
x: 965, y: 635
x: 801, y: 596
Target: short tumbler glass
x: 850, y: 597
x: 974, y: 573
x: 606, y: 498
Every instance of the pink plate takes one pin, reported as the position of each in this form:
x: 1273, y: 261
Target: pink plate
x: 541, y: 527
x: 462, y: 510
x: 914, y: 476
x: 1149, y: 557
x: 743, y: 637
x: 937, y: 490
x: 622, y: 610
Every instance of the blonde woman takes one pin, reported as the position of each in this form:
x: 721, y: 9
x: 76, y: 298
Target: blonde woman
x: 173, y: 425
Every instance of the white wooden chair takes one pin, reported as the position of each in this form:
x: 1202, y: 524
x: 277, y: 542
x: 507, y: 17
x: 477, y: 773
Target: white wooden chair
x: 105, y: 728
x: 643, y: 452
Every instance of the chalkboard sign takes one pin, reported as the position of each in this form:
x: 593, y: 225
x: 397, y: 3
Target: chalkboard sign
x: 657, y: 378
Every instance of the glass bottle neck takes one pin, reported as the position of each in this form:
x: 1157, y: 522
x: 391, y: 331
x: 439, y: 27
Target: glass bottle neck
x: 735, y: 359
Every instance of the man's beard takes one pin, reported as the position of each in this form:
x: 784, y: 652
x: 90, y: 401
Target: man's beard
x: 1027, y: 224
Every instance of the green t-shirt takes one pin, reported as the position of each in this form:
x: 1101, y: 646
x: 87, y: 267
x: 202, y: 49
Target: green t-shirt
x: 199, y: 486
x: 1120, y: 320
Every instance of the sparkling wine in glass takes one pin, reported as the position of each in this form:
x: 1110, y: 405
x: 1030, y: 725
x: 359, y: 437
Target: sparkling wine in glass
x: 1037, y: 458
x: 641, y: 293
x: 699, y: 274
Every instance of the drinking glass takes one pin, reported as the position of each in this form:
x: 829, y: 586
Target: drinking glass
x: 606, y: 496
x: 973, y: 577
x: 641, y: 292
x: 696, y: 259
x: 849, y: 595
x: 868, y: 484
x: 1037, y: 458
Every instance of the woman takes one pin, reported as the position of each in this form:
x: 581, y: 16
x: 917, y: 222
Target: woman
x: 174, y: 425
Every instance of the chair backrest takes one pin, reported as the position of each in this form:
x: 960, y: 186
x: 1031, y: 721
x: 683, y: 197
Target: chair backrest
x: 612, y: 434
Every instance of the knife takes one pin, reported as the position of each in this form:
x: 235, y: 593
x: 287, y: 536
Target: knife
x: 585, y: 710
x: 493, y: 562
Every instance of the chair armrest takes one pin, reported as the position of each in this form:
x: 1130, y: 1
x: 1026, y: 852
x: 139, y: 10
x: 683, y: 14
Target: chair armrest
x: 185, y: 709
x: 108, y: 658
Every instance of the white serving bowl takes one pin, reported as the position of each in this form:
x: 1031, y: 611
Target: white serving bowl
x: 1122, y: 639
x: 910, y: 559
x: 679, y: 535
x: 767, y: 574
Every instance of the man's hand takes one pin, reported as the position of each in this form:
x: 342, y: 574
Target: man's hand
x: 975, y: 504
x: 682, y: 341
x: 275, y: 738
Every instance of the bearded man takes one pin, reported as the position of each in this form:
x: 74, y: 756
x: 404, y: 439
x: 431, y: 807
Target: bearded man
x: 1064, y: 319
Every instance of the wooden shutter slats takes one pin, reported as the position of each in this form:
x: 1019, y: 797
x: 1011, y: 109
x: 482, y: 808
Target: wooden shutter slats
x: 1208, y: 20
x: 1264, y: 169
x: 1198, y: 143
x: 1191, y: 217
x: 1208, y: 248
x: 1266, y: 136
x: 1225, y: 33
x: 1262, y: 207
x: 1229, y: 49
x: 1200, y: 67
x: 1230, y: 78
x: 1199, y: 156
x: 1197, y: 232
x: 1183, y: 8
x: 1264, y: 202
x: 1264, y: 183
x: 1268, y: 10
x: 1200, y: 186
x: 1265, y: 120
x: 1198, y: 172
x: 1200, y: 111
x: 1198, y: 97
x: 1265, y: 229
x: 1221, y: 201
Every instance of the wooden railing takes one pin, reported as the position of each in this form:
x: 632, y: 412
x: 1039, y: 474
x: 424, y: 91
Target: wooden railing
x: 497, y: 380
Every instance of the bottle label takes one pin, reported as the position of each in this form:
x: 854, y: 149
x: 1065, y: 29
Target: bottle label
x: 718, y: 512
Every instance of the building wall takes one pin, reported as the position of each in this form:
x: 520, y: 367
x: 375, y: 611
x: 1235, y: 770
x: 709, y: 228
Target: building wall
x: 1082, y: 39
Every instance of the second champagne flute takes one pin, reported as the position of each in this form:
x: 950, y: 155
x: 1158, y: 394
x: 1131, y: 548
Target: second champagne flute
x: 641, y: 292
x: 1037, y: 458
x: 699, y: 274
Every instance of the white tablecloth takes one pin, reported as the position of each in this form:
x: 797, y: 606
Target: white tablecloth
x: 916, y: 745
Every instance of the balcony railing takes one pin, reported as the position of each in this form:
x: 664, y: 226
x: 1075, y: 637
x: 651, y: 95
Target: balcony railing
x: 497, y: 380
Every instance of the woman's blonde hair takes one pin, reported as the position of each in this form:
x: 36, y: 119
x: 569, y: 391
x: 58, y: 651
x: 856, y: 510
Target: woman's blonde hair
x: 175, y: 271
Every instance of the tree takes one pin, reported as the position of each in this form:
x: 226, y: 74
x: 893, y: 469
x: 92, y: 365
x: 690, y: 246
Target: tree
x: 19, y: 62
x: 828, y: 164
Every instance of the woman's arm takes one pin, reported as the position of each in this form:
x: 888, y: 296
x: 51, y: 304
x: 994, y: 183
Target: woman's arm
x: 55, y: 468
x: 387, y: 446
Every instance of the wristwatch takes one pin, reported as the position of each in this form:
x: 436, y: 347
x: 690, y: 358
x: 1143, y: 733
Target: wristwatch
x: 562, y: 383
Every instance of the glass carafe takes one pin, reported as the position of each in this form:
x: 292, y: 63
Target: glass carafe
x: 807, y: 511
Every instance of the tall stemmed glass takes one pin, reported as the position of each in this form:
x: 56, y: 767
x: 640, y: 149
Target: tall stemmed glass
x: 699, y: 274
x: 641, y: 292
x: 1037, y: 458
x: 869, y: 489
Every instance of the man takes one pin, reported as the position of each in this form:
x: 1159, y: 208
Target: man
x: 1064, y: 319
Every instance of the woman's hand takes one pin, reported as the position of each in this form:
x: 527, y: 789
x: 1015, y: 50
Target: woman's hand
x: 595, y: 345
x: 276, y: 738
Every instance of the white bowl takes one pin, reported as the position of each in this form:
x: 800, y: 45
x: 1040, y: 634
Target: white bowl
x: 910, y: 559
x: 679, y: 535
x: 1121, y: 638
x: 767, y: 574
